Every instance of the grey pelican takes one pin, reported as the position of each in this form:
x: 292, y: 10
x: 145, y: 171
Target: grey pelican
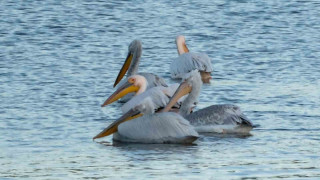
x: 188, y: 61
x: 223, y: 118
x: 131, y: 65
x: 138, y: 84
x: 165, y: 127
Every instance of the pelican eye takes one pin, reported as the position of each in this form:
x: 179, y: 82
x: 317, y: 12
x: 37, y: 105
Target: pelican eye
x: 131, y: 80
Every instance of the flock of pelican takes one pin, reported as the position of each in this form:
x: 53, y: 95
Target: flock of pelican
x: 155, y: 112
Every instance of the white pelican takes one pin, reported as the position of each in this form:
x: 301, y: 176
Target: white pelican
x: 165, y: 127
x: 188, y: 61
x: 138, y: 84
x: 131, y: 65
x: 224, y: 118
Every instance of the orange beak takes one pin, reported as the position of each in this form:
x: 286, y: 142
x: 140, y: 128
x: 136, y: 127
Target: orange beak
x: 185, y: 48
x: 120, y: 92
x: 182, y: 90
x: 124, y: 69
x: 112, y: 128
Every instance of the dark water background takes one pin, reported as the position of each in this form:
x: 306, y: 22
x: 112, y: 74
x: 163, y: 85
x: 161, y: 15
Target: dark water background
x: 59, y: 59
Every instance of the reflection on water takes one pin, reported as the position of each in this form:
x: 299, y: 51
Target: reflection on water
x: 59, y: 60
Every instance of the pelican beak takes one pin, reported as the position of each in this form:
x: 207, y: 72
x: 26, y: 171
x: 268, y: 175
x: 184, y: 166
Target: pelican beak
x: 124, y: 69
x: 112, y: 128
x: 120, y: 92
x: 185, y: 48
x: 182, y: 90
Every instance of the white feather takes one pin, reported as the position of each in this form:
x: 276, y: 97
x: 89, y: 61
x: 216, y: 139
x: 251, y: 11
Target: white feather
x: 159, y: 96
x: 190, y: 61
x: 157, y: 128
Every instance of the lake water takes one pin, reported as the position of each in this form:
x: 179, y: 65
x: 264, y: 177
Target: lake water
x: 59, y: 59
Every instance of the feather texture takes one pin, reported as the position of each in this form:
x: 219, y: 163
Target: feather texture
x: 152, y: 79
x: 190, y: 61
x: 224, y: 118
x: 157, y: 128
x: 159, y: 97
x: 135, y: 48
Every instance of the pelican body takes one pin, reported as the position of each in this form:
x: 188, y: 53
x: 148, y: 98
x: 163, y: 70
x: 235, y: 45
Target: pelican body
x: 215, y: 118
x: 188, y: 61
x: 160, y: 128
x: 165, y: 127
x: 222, y: 118
x: 137, y: 84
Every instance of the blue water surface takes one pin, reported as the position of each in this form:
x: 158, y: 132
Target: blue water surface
x: 59, y: 59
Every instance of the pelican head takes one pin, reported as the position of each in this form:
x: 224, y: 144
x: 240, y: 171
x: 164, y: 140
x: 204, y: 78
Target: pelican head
x: 181, y: 45
x: 135, y: 83
x: 135, y: 47
x: 132, y: 61
x: 191, y: 84
x: 145, y: 107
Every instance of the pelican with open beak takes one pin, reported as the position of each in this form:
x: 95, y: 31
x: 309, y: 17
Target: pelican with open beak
x: 137, y: 84
x: 224, y: 118
x: 165, y: 127
x: 131, y: 66
x: 188, y: 61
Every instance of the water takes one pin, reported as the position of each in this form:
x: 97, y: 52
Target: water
x: 59, y: 60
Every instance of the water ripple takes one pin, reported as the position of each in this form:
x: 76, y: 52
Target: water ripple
x: 59, y: 60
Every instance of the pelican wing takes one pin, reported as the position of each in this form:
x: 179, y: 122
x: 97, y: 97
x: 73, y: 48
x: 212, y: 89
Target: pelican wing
x: 190, y: 61
x: 224, y: 114
x: 157, y: 128
x: 220, y: 119
x: 154, y: 80
x: 158, y: 98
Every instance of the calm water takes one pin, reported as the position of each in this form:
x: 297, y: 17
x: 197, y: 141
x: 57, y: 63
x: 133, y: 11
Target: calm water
x: 58, y: 62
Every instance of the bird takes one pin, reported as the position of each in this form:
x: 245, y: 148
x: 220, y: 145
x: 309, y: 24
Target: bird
x: 131, y: 66
x: 188, y: 61
x: 164, y: 127
x: 221, y: 118
x: 138, y: 84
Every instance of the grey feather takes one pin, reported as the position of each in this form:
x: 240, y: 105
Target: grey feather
x: 223, y: 118
x: 135, y: 48
x: 190, y: 61
x: 222, y: 114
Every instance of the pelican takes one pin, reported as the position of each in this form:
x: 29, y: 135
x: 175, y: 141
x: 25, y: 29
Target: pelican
x: 138, y: 84
x: 165, y: 127
x: 131, y: 66
x: 223, y: 118
x: 188, y: 61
